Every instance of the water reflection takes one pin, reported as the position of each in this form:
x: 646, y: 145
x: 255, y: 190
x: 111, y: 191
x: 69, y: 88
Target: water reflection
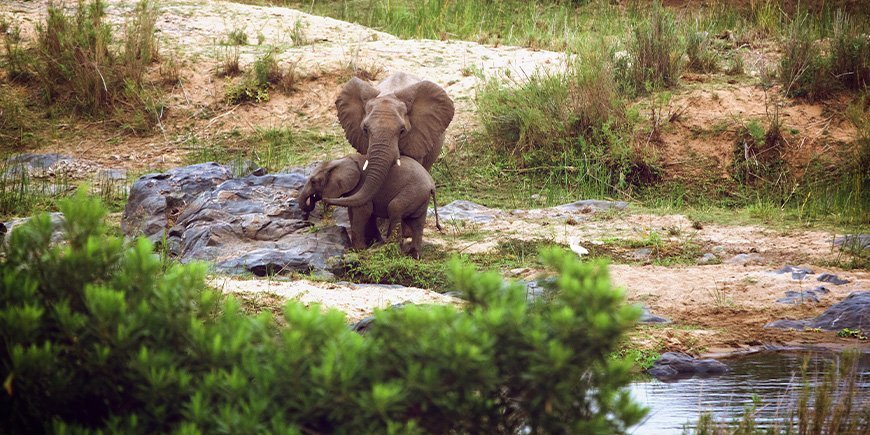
x: 774, y: 378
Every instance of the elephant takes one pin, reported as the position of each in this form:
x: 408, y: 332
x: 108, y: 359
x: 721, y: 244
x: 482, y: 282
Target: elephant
x: 403, y: 197
x: 402, y: 116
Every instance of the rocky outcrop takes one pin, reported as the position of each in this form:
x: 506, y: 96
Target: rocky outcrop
x: 57, y: 224
x: 794, y: 297
x: 672, y: 365
x: 466, y: 211
x: 853, y: 312
x: 242, y: 224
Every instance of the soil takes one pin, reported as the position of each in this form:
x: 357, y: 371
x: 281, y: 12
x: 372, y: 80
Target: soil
x: 714, y: 307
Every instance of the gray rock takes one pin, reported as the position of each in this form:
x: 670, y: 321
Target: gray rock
x: 35, y: 164
x: 708, y: 258
x: 640, y: 254
x: 853, y: 241
x: 676, y: 364
x: 466, y: 210
x: 591, y: 205
x: 648, y: 317
x: 253, y: 224
x: 832, y: 279
x: 799, y: 297
x: 853, y: 312
x: 796, y: 272
x: 246, y: 224
x: 746, y: 259
x: 57, y: 224
x: 156, y: 200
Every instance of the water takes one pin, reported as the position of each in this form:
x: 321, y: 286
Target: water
x: 772, y: 377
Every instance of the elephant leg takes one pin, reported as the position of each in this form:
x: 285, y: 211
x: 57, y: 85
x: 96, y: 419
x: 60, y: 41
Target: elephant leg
x: 415, y: 226
x: 359, y: 220
x: 394, y: 212
x: 372, y: 233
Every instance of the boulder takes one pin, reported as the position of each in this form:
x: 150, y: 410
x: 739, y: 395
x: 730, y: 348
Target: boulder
x: 853, y: 241
x: 591, y: 206
x: 832, y: 279
x: 467, y: 211
x: 677, y: 364
x: 57, y: 223
x: 797, y: 273
x: 648, y: 317
x: 156, y: 200
x: 853, y: 312
x: 798, y: 297
x: 243, y: 224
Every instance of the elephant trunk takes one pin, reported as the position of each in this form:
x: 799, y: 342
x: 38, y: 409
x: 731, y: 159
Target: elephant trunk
x: 380, y: 161
x: 306, y: 199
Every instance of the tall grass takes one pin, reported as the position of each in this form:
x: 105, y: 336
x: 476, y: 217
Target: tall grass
x: 655, y: 53
x: 78, y: 63
x: 571, y: 126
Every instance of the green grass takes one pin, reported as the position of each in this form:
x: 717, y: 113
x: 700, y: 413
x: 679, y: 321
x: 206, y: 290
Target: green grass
x: 271, y: 148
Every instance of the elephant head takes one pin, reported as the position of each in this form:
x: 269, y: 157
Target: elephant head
x: 385, y: 125
x: 331, y: 179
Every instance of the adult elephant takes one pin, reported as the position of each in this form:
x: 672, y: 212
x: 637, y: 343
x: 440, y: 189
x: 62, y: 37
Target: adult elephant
x: 402, y: 116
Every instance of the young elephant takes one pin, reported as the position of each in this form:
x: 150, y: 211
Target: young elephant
x: 403, y: 197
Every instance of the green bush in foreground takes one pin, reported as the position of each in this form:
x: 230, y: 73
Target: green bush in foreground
x: 94, y: 336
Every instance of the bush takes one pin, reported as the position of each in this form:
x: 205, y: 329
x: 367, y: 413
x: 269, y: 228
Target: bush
x: 806, y: 70
x: 654, y: 54
x: 573, y: 122
x: 702, y: 57
x: 94, y: 336
x: 75, y: 64
x: 266, y: 74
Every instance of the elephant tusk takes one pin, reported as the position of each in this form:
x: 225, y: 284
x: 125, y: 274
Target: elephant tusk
x: 365, y: 165
x: 398, y: 162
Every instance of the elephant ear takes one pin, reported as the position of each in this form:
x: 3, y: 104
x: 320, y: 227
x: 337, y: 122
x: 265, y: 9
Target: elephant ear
x: 343, y: 175
x: 430, y: 111
x: 351, y: 107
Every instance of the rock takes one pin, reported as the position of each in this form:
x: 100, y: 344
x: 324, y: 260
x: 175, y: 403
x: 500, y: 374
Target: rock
x: 798, y: 273
x: 156, y: 200
x: 746, y: 259
x: 708, y: 258
x: 640, y: 254
x: 57, y: 224
x: 676, y: 364
x: 36, y: 165
x: 853, y: 312
x: 799, y: 297
x: 831, y: 278
x: 590, y: 206
x: 253, y: 224
x: 648, y: 317
x: 853, y: 241
x: 466, y: 210
x: 245, y: 224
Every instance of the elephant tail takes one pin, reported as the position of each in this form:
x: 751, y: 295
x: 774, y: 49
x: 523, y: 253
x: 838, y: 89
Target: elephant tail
x: 435, y: 205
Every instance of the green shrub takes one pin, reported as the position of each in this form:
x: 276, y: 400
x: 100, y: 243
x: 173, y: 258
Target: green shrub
x: 655, y: 53
x: 75, y: 62
x: 702, y: 57
x: 95, y: 336
x: 850, y: 52
x: 572, y: 123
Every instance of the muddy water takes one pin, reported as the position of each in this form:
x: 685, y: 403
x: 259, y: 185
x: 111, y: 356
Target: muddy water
x: 772, y: 378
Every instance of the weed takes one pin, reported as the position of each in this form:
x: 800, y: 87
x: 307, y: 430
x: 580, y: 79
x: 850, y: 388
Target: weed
x: 850, y: 52
x: 642, y: 358
x: 702, y: 57
x: 74, y: 62
x: 655, y: 53
x: 228, y: 61
x: 851, y: 333
x: 298, y: 33
x: 18, y: 119
x: 15, y: 58
x: 721, y: 299
x: 735, y: 66
x: 236, y: 36
x: 386, y: 264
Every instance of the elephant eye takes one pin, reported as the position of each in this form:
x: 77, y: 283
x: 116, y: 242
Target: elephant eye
x: 366, y: 129
x: 402, y: 130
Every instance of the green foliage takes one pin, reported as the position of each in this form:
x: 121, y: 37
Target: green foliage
x: 702, y: 57
x: 388, y: 265
x: 851, y: 333
x: 655, y: 53
x: 808, y: 70
x: 266, y: 74
x: 236, y: 36
x: 570, y: 125
x: 95, y: 336
x: 77, y: 62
